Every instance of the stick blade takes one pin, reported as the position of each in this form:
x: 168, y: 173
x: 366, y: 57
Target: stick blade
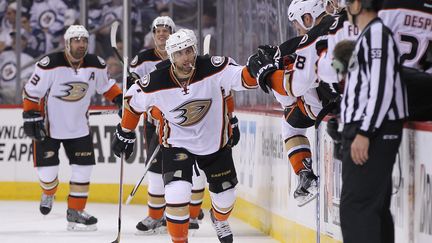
x: 113, y: 33
x: 206, y: 44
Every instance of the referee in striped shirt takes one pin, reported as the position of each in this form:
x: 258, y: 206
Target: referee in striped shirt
x: 373, y: 108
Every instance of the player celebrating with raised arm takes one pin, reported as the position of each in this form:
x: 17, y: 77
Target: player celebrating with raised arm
x: 188, y: 98
x: 141, y: 65
x: 56, y: 100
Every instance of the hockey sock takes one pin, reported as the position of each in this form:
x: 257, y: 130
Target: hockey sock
x: 195, y: 203
x: 177, y: 216
x: 298, y: 149
x: 49, y: 188
x: 156, y: 205
x: 78, y: 194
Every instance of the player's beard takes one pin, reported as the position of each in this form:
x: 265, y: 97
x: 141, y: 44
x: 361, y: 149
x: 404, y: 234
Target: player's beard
x: 78, y: 54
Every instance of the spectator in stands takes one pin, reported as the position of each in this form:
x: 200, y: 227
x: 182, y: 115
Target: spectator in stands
x: 7, y: 25
x: 49, y: 16
x: 36, y: 42
x: 8, y: 70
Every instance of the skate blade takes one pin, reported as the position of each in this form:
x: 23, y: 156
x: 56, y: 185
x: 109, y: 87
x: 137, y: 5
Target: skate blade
x: 306, y: 199
x: 158, y: 231
x: 81, y: 227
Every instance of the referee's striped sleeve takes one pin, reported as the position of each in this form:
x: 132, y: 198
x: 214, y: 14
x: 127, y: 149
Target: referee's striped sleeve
x: 381, y: 56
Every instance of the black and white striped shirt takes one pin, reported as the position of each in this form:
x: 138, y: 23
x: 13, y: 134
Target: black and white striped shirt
x: 374, y: 91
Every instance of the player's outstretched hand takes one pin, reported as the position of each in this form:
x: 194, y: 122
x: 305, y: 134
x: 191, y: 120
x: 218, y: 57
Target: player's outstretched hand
x: 260, y: 65
x: 34, y: 125
x: 123, y: 142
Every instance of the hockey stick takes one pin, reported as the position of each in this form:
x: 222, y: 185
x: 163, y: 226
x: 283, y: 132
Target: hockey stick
x: 206, y: 45
x: 104, y: 112
x: 113, y: 34
x: 318, y: 169
x: 146, y: 169
x: 117, y: 240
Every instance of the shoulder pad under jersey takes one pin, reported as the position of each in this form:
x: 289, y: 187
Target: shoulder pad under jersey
x: 209, y: 65
x: 163, y: 64
x: 147, y: 55
x: 419, y: 5
x: 317, y: 31
x: 91, y: 60
x: 52, y: 61
x: 338, y: 22
x: 289, y: 46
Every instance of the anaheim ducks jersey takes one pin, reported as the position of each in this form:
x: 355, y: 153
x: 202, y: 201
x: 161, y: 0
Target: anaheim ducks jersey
x: 340, y: 30
x: 303, y: 77
x: 193, y: 114
x: 411, y: 24
x: 145, y: 62
x: 66, y: 92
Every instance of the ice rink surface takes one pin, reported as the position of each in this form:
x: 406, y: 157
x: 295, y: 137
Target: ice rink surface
x: 21, y: 222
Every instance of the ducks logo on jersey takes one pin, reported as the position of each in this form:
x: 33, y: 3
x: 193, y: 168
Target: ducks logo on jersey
x: 75, y: 91
x: 192, y: 112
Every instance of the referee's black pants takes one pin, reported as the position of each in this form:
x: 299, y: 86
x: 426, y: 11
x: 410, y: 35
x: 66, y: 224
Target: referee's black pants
x: 366, y: 189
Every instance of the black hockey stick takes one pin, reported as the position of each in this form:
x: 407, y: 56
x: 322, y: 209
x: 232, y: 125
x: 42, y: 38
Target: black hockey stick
x: 104, y: 112
x: 146, y: 169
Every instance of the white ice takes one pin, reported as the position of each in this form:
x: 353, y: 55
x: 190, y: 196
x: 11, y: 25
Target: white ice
x: 21, y: 222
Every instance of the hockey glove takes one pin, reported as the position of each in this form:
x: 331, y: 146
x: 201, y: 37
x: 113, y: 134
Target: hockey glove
x: 118, y: 101
x: 272, y: 51
x: 34, y: 125
x: 235, y: 138
x: 123, y: 142
x: 131, y: 78
x: 260, y: 65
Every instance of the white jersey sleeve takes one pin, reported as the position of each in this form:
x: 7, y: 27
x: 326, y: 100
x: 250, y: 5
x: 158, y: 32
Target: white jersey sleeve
x: 139, y: 101
x: 103, y: 83
x: 39, y: 83
x: 232, y: 76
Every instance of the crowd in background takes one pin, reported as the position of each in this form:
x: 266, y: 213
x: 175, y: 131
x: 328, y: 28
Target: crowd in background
x: 237, y: 27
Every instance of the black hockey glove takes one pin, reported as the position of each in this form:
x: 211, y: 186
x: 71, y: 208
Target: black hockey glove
x: 332, y: 129
x: 260, y: 65
x: 123, y: 142
x: 272, y: 51
x: 34, y: 125
x: 118, y: 101
x: 131, y: 78
x: 235, y: 138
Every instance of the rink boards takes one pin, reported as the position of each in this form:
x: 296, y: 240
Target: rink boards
x: 266, y: 180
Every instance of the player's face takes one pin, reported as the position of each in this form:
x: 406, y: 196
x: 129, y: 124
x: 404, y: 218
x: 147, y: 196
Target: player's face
x: 300, y: 30
x: 78, y: 47
x: 184, y: 60
x: 331, y: 7
x: 160, y: 36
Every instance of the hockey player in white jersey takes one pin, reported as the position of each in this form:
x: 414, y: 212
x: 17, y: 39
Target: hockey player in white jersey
x: 56, y: 100
x: 187, y: 97
x: 295, y: 88
x: 141, y: 65
x: 411, y: 24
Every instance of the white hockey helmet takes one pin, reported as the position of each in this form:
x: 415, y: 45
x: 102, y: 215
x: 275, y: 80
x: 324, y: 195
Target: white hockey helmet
x: 298, y: 8
x: 164, y: 21
x: 180, y: 40
x: 75, y: 31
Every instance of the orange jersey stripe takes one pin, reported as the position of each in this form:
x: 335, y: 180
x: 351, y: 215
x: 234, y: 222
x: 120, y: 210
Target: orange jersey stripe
x: 113, y: 92
x: 29, y: 105
x: 248, y: 80
x: 276, y: 82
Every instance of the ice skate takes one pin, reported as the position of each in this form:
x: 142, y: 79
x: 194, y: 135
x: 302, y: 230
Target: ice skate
x: 306, y: 189
x: 150, y: 226
x: 223, y: 229
x: 80, y: 221
x: 46, y: 204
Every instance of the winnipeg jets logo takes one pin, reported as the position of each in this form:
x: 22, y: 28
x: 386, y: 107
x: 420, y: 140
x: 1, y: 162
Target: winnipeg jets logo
x: 47, y: 19
x: 75, y: 91
x: 8, y: 71
x: 192, y: 112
